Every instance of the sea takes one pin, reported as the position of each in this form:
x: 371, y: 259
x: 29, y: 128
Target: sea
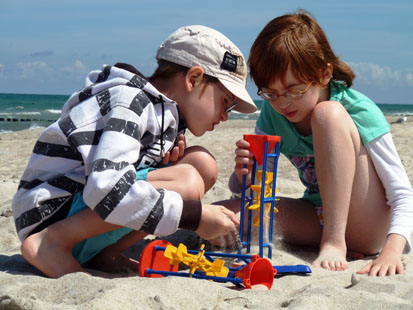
x: 27, y: 111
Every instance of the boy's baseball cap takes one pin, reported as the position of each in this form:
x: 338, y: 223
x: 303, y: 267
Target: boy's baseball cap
x: 202, y: 46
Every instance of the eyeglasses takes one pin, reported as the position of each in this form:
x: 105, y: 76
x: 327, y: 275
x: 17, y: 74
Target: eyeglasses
x: 292, y: 94
x: 233, y: 104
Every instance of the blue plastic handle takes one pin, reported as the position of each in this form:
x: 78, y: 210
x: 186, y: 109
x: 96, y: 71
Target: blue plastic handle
x: 293, y: 269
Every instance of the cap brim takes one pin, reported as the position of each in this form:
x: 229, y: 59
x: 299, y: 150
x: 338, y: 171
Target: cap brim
x: 245, y: 104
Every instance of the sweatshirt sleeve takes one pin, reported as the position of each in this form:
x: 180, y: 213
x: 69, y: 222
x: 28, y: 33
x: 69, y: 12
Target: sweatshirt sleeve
x: 112, y: 190
x: 399, y: 193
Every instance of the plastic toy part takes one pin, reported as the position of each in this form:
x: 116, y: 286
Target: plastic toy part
x: 258, y: 272
x: 257, y: 145
x: 195, y: 262
x: 252, y: 272
x: 261, y: 146
x: 153, y: 259
x: 154, y: 263
x: 257, y: 189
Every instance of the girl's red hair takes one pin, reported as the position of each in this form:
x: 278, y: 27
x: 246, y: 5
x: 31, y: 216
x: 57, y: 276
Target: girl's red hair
x: 294, y: 41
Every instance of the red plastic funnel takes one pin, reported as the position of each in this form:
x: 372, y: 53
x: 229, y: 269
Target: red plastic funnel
x: 153, y: 259
x: 257, y: 145
x: 258, y: 272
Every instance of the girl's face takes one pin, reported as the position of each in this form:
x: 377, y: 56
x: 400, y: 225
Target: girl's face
x: 296, y: 100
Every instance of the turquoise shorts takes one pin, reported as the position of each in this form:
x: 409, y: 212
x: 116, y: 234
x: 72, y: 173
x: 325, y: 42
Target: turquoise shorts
x: 89, y: 248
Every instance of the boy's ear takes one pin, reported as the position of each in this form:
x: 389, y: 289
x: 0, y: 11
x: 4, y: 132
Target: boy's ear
x: 326, y: 74
x: 194, y: 77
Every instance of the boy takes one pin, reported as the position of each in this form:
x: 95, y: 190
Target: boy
x: 119, y: 142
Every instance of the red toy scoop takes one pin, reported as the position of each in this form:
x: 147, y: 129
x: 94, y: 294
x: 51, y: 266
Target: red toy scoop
x: 257, y: 145
x: 259, y: 272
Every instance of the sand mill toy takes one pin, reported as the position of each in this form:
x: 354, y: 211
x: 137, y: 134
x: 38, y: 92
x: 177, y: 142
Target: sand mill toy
x: 160, y: 258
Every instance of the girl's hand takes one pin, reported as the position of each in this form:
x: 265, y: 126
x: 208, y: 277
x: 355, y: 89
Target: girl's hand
x: 389, y: 261
x: 385, y: 264
x: 243, y: 156
x: 216, y: 221
x: 177, y: 151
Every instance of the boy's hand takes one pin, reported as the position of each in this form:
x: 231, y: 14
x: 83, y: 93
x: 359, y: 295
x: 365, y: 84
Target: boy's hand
x: 177, y: 151
x: 216, y: 221
x: 243, y: 156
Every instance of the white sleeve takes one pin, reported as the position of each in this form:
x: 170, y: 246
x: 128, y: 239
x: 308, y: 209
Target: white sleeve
x: 399, y: 193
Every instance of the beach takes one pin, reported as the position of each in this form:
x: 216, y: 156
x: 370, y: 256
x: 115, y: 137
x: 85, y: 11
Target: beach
x: 23, y: 287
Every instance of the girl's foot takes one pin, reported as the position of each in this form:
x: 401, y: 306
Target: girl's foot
x: 331, y: 258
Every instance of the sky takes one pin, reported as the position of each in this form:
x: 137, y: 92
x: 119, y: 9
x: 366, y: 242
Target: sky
x: 48, y: 47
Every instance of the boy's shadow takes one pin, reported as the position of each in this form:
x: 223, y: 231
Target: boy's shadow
x: 17, y: 265
x: 189, y: 238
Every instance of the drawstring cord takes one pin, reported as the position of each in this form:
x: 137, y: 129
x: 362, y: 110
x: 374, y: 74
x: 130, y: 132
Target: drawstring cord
x: 162, y: 125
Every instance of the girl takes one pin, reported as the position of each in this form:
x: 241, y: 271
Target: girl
x: 358, y: 198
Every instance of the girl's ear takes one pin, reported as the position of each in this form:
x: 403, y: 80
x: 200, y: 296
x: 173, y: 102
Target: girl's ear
x: 326, y: 74
x: 194, y: 77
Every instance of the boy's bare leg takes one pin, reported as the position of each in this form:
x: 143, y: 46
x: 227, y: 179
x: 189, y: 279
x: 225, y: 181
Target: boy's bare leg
x: 192, y: 176
x: 356, y: 215
x: 50, y: 250
x: 112, y: 259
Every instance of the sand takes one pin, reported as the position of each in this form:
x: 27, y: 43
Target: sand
x: 23, y: 287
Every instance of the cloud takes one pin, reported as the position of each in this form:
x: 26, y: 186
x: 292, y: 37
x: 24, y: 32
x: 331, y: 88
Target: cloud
x: 75, y: 70
x: 374, y: 74
x: 41, y: 54
x: 32, y: 70
x: 42, y: 71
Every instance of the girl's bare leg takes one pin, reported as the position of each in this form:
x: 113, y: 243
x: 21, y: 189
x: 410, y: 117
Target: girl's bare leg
x: 356, y: 215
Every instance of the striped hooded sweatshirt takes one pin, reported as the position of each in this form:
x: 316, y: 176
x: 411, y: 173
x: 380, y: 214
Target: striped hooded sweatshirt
x: 117, y: 124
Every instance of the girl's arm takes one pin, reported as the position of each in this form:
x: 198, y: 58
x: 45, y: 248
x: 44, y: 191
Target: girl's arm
x: 399, y: 196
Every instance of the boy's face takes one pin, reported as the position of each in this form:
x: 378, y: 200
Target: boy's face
x: 208, y: 106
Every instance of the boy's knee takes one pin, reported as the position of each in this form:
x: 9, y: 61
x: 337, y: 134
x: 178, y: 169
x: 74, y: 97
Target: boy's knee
x: 204, y: 163
x: 191, y: 183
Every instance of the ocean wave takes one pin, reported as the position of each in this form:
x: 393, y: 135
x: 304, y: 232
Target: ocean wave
x: 236, y: 112
x: 19, y: 126
x: 35, y: 126
x: 19, y: 107
x: 13, y: 114
x: 53, y: 111
x: 399, y: 114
